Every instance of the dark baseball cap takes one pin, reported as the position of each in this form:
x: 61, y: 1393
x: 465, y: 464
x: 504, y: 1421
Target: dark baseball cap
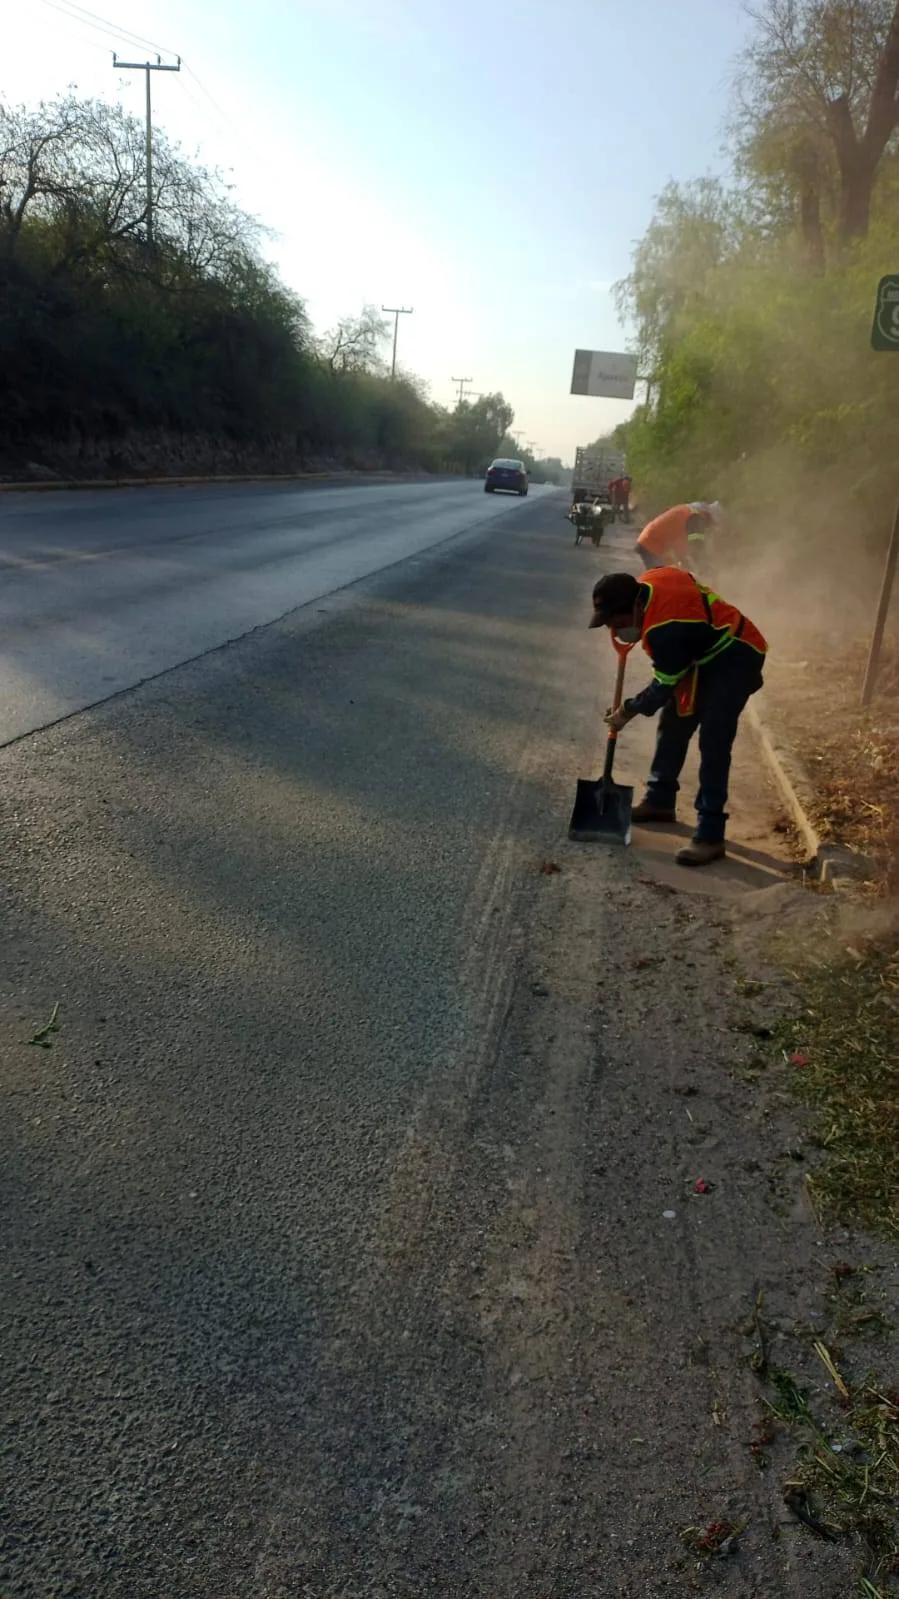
x: 613, y: 595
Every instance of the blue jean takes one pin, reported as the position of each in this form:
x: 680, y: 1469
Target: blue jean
x: 647, y: 557
x: 723, y: 688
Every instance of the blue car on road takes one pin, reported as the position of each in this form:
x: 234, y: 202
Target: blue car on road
x: 508, y: 475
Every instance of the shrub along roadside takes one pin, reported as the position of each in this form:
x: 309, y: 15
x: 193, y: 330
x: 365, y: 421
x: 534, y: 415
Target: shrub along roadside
x: 752, y: 298
x: 121, y: 355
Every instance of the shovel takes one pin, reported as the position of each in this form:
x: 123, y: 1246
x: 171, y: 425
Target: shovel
x: 602, y: 808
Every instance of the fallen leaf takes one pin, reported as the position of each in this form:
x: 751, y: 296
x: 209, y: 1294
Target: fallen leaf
x: 41, y: 1035
x: 549, y: 867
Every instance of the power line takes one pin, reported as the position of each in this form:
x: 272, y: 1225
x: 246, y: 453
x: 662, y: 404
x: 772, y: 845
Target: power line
x: 92, y: 19
x: 225, y: 116
x: 105, y: 27
x: 95, y: 27
x: 396, y: 311
x: 80, y: 39
x: 223, y: 121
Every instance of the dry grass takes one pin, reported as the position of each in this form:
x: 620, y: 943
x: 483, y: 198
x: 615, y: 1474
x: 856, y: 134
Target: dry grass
x: 850, y: 755
x: 844, y: 1478
x: 848, y: 1486
x: 843, y: 1050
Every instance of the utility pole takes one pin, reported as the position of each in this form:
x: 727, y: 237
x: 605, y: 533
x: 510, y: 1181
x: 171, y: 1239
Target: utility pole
x: 886, y: 589
x: 463, y: 383
x: 147, y: 67
x: 396, y: 311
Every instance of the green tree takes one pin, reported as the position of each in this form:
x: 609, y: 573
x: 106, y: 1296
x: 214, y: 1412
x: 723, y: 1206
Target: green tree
x: 475, y: 430
x: 819, y: 104
x: 695, y: 227
x: 354, y: 345
x: 102, y: 337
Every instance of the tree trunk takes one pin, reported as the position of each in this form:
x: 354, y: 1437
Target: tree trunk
x: 856, y: 188
x: 808, y: 175
x: 856, y: 171
x: 859, y: 158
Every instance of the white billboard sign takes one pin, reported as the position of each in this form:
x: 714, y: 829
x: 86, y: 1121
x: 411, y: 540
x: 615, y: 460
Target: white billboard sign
x: 604, y: 373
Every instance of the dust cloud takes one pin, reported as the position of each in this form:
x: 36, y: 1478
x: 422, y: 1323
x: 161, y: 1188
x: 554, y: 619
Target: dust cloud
x: 799, y: 555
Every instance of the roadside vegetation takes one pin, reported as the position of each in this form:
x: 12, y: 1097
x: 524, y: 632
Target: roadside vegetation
x: 837, y: 1424
x: 125, y: 350
x: 752, y: 300
x: 843, y: 1051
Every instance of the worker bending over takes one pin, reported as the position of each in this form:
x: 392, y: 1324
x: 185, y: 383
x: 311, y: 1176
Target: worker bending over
x: 677, y: 536
x: 707, y: 660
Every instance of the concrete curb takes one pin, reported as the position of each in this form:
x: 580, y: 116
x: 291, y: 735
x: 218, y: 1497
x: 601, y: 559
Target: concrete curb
x: 827, y: 863
x: 65, y: 485
x: 790, y: 778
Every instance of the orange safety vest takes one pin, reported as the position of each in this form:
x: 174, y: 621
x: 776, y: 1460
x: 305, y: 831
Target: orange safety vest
x: 667, y: 532
x: 677, y: 596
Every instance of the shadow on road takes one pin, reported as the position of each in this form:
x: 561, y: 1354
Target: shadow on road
x: 265, y: 890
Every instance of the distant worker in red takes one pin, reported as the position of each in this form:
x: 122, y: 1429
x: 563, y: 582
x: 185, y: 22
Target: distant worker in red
x: 707, y: 660
x: 666, y: 540
x: 620, y: 495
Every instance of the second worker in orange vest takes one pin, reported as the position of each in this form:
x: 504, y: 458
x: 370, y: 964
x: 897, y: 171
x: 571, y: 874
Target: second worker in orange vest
x: 707, y: 660
x: 667, y: 538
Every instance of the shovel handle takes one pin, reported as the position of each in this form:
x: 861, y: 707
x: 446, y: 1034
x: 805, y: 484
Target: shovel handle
x: 622, y: 650
x: 618, y: 691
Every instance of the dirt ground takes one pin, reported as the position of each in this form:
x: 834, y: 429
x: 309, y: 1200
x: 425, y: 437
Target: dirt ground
x: 851, y: 755
x: 816, y: 603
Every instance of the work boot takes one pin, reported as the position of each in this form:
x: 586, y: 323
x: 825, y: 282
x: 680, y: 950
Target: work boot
x: 701, y: 851
x: 649, y: 811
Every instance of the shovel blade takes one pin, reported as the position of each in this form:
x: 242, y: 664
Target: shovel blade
x: 602, y: 812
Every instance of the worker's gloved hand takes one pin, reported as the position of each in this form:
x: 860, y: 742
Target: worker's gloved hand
x: 616, y: 720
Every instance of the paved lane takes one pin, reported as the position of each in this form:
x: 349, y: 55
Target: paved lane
x: 334, y: 1263
x: 99, y: 591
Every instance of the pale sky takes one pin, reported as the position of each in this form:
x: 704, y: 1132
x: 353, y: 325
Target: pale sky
x: 489, y: 163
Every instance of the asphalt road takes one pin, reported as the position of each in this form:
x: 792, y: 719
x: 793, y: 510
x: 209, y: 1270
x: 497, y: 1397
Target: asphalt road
x: 347, y: 1246
x: 100, y: 590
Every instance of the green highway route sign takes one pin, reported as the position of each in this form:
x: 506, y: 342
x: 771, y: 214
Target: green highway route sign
x: 885, y: 332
